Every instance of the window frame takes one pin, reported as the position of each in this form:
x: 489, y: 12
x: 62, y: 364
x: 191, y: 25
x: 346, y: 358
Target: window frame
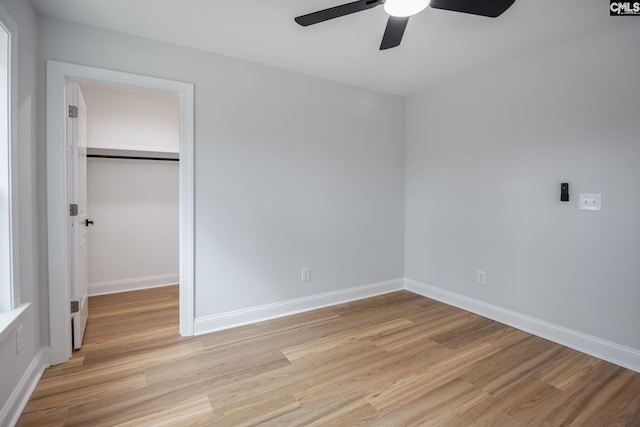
x: 9, y: 280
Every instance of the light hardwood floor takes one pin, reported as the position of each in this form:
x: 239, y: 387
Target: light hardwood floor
x: 394, y: 360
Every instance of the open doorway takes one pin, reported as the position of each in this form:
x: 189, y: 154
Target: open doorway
x: 58, y: 76
x: 132, y: 191
x: 132, y: 188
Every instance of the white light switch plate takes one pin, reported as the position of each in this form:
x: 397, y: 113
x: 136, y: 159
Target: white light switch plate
x: 590, y: 202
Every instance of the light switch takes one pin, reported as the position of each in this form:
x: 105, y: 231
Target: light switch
x: 590, y: 202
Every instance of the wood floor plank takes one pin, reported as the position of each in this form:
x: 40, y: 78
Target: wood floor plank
x: 569, y: 369
x: 481, y: 414
x: 528, y: 400
x: 589, y: 407
x: 341, y: 411
x: 403, y: 339
x: 131, y: 404
x: 86, y: 393
x: 259, y: 410
x: 506, y: 337
x: 370, y: 374
x: 332, y: 341
x: 302, y: 375
x: 624, y: 412
x: 397, y: 359
x: 411, y: 386
x: 436, y: 405
x: 205, y: 365
x: 51, y: 417
x: 181, y: 413
x: 582, y: 400
x: 514, y: 362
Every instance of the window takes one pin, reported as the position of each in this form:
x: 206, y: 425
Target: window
x: 8, y: 299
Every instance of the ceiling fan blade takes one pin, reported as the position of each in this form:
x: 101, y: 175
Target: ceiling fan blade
x: 490, y: 8
x: 394, y: 32
x: 337, y: 11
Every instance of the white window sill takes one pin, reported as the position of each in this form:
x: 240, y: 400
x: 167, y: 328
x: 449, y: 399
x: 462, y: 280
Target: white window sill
x: 9, y: 319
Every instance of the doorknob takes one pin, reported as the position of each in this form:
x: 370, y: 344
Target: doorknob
x: 87, y: 222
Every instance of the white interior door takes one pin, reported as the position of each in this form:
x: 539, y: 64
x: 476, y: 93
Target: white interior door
x: 77, y: 161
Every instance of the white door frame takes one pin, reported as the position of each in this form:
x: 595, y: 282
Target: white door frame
x: 58, y: 211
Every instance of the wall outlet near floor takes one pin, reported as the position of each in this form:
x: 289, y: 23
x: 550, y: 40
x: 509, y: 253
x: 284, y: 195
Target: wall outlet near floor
x: 19, y: 341
x: 481, y: 277
x: 305, y: 275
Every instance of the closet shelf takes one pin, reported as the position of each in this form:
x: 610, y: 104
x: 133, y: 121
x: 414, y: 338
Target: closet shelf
x: 110, y: 153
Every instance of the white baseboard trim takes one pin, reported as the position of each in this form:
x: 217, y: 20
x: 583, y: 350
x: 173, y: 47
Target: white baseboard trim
x: 136, y: 284
x: 232, y: 319
x: 606, y: 350
x: 16, y: 403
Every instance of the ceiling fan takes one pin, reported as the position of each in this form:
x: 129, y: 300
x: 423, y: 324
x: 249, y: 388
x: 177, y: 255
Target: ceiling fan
x: 401, y: 10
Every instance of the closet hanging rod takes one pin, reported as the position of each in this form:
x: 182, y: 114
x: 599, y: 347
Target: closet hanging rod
x: 111, y: 156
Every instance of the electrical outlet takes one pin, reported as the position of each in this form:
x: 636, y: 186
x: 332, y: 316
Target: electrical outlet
x: 481, y: 277
x: 590, y: 202
x: 305, y: 275
x: 19, y: 339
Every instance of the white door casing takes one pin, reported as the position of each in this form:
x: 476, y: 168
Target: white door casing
x: 58, y: 73
x: 77, y: 190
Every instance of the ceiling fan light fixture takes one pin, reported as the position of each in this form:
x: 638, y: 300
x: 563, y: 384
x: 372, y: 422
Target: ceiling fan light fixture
x: 404, y: 8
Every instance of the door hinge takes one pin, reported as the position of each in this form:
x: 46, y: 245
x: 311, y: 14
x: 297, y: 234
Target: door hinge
x: 73, y: 209
x: 75, y: 306
x: 73, y: 111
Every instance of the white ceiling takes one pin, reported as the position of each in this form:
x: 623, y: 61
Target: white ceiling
x: 437, y: 44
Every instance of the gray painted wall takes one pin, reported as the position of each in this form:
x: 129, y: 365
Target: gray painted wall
x: 134, y: 240
x: 485, y: 158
